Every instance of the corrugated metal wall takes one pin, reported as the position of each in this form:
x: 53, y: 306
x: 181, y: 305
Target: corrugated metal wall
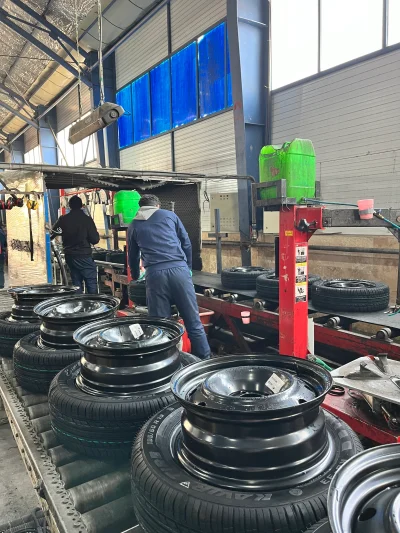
x: 189, y: 19
x: 208, y: 147
x: 145, y: 48
x: 352, y: 116
x: 68, y: 109
x: 154, y: 154
x: 31, y: 139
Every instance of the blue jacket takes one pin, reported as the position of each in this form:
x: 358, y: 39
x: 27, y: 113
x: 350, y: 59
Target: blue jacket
x: 161, y: 238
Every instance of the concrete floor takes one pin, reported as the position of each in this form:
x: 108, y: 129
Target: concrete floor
x: 17, y: 496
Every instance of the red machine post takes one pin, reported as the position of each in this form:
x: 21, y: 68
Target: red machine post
x: 297, y: 224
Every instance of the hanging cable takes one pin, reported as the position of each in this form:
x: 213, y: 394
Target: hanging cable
x: 77, y: 58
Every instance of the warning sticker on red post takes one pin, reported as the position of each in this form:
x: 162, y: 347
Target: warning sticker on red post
x: 301, y: 273
x: 301, y: 254
x: 301, y: 292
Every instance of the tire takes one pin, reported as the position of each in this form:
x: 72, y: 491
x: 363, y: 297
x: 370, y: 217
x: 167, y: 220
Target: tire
x: 100, y: 426
x: 321, y: 527
x: 99, y: 255
x: 12, y: 332
x: 368, y: 297
x: 168, y: 499
x: 35, y: 367
x: 242, y: 277
x: 267, y: 286
x: 137, y: 292
x: 116, y: 257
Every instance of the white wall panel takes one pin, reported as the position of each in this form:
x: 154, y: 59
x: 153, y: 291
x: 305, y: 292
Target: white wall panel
x: 150, y: 155
x: 352, y: 116
x: 68, y: 108
x: 147, y: 46
x: 190, y: 17
x: 208, y: 147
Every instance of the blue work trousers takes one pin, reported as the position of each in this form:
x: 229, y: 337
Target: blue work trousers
x: 174, y: 286
x: 83, y: 269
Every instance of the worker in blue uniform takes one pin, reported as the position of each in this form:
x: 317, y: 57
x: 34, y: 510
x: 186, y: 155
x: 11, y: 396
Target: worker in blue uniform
x: 164, y: 245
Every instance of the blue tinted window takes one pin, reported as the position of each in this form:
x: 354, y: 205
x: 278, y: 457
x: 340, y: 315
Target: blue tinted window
x: 160, y: 81
x: 184, y: 93
x: 141, y: 108
x: 228, y: 74
x: 125, y: 123
x: 212, y: 71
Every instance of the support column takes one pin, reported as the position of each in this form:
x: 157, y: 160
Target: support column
x: 248, y: 33
x: 48, y: 148
x: 110, y: 93
x: 16, y: 155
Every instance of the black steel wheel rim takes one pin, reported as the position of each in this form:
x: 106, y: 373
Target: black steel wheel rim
x: 238, y: 432
x: 118, y: 361
x: 43, y: 291
x: 60, y: 317
x: 350, y: 284
x: 27, y: 297
x: 364, y: 496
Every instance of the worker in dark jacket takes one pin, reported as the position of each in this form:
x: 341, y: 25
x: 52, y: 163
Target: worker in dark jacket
x: 3, y: 244
x: 78, y: 233
x: 166, y: 251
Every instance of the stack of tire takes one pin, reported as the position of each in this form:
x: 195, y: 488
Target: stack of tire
x: 21, y: 320
x: 267, y: 287
x: 98, y: 405
x: 137, y: 292
x: 242, y: 278
x: 246, y: 447
x: 353, y: 295
x: 39, y: 356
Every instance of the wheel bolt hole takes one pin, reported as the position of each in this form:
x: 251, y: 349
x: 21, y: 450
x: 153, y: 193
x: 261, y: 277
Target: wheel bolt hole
x: 202, y: 404
x: 367, y: 514
x: 302, y: 401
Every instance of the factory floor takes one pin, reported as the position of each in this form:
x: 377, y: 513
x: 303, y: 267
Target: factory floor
x: 17, y: 496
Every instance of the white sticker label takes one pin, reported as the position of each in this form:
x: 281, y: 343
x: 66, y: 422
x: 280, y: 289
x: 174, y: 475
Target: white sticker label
x: 275, y: 383
x: 301, y: 254
x: 301, y: 292
x: 136, y: 330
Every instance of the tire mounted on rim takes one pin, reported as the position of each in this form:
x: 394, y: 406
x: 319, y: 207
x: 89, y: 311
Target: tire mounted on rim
x: 21, y: 320
x: 247, y: 448
x: 97, y: 407
x: 267, y: 286
x: 350, y: 295
x: 40, y: 356
x: 243, y: 278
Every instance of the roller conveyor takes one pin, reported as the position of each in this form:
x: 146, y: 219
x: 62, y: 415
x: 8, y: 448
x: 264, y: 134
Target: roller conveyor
x: 78, y: 494
x: 207, y: 280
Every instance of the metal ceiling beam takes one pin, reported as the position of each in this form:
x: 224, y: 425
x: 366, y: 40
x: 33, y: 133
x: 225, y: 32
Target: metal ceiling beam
x: 5, y: 147
x: 16, y: 96
x: 19, y: 115
x: 54, y: 31
x: 4, y: 18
